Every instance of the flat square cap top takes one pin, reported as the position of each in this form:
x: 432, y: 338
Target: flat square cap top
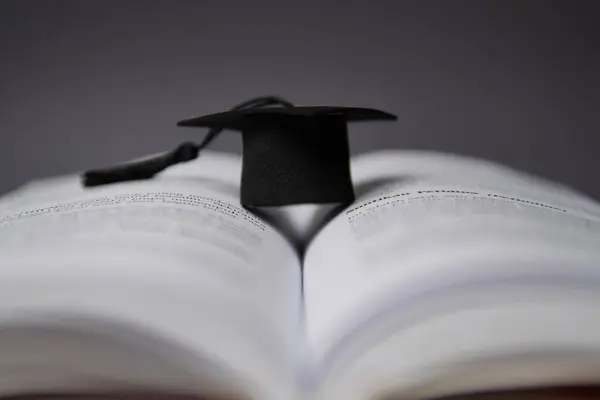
x: 238, y: 120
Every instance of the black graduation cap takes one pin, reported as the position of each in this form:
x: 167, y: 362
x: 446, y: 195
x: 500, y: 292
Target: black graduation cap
x: 291, y: 155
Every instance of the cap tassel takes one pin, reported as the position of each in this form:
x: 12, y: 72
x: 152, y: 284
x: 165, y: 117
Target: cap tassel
x: 148, y: 168
x: 140, y: 170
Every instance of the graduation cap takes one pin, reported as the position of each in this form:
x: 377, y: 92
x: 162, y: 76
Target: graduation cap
x: 291, y: 155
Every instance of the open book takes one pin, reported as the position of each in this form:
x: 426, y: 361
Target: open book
x: 448, y: 275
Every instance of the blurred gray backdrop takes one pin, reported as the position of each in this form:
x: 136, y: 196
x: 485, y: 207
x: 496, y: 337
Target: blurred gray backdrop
x: 90, y: 83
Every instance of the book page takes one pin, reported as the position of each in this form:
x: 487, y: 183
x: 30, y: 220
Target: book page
x: 433, y: 236
x: 175, y: 259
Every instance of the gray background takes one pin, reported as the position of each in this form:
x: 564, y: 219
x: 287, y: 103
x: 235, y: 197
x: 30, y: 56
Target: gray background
x: 90, y: 83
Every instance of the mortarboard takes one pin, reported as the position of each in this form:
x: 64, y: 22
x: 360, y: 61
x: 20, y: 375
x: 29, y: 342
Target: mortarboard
x: 291, y: 155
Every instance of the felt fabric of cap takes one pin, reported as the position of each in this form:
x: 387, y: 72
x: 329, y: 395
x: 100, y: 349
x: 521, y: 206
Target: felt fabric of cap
x: 293, y: 155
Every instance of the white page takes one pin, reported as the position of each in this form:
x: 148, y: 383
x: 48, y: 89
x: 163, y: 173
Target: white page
x: 175, y: 257
x: 426, y: 223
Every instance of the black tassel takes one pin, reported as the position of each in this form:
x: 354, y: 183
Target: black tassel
x: 146, y: 169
